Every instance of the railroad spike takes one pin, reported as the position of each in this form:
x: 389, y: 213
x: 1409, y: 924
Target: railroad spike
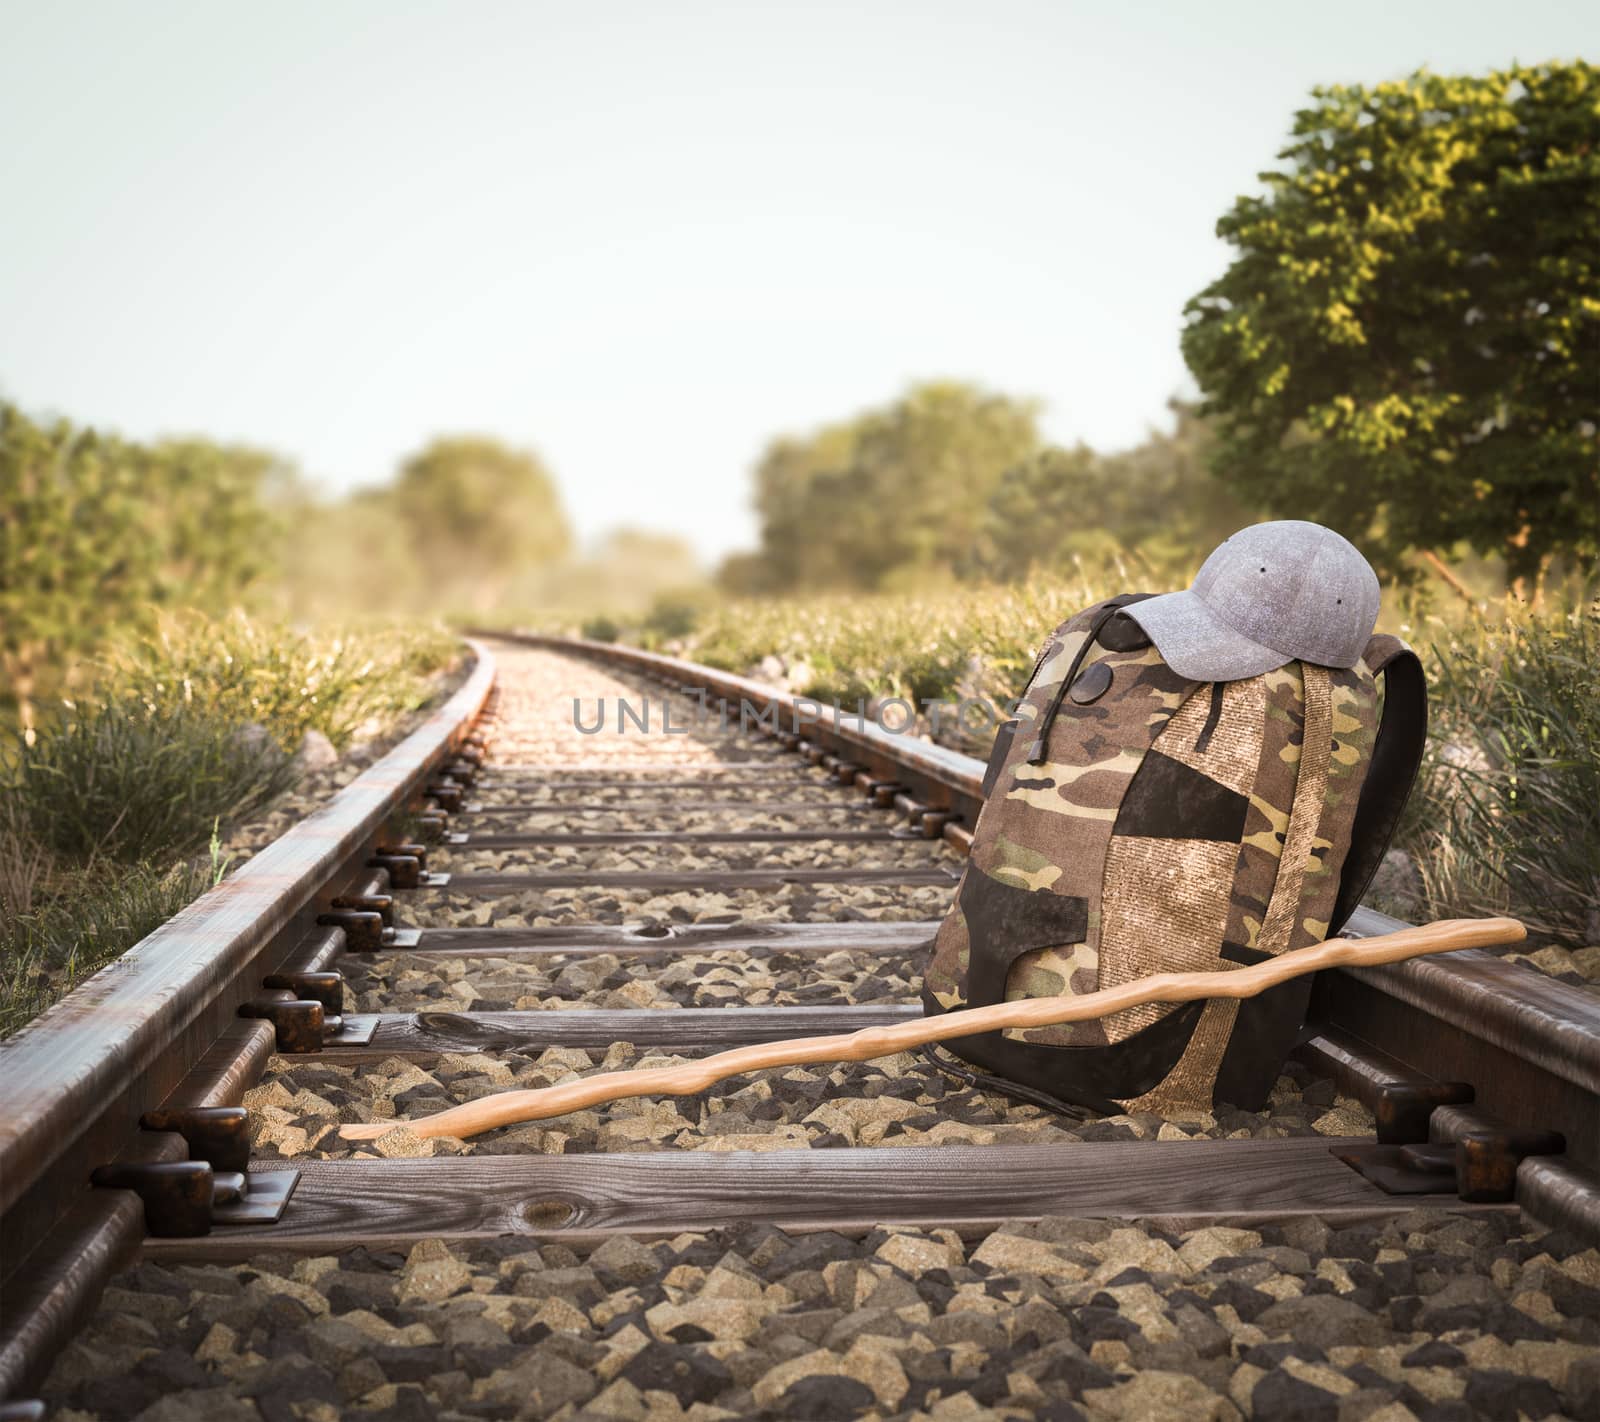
x: 298, y: 1022
x: 380, y: 904
x: 1488, y: 1150
x: 405, y: 870
x: 1487, y: 1161
x: 176, y: 1194
x: 913, y: 810
x: 324, y: 986
x: 218, y: 1135
x: 882, y: 793
x: 1402, y: 1108
x: 932, y: 822
x: 363, y: 929
x: 1477, y: 1157
x: 447, y: 795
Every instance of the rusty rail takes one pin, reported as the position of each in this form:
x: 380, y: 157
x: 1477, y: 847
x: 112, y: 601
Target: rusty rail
x: 79, y: 1078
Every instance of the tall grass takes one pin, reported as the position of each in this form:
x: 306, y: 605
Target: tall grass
x: 1507, y: 814
x: 130, y: 782
x: 925, y: 647
x: 105, y: 804
x: 24, y: 862
x: 90, y: 919
x: 343, y: 682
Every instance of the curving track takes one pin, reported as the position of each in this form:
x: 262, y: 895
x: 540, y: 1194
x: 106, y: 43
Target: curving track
x: 873, y: 1240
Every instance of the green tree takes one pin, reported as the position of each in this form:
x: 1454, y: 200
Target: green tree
x: 1165, y: 498
x: 479, y: 514
x: 896, y: 494
x: 1159, y: 498
x: 1405, y: 346
x: 98, y: 533
x: 1051, y: 504
x: 798, y: 541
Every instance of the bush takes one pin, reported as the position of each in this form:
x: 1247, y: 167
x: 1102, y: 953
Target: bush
x: 133, y: 782
x: 188, y: 729
x: 600, y: 629
x: 671, y: 618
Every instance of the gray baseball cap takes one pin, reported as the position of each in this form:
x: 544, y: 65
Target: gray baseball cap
x: 1271, y: 594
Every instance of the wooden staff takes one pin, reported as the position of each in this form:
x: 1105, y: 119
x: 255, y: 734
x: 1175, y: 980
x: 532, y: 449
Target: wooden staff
x: 509, y: 1107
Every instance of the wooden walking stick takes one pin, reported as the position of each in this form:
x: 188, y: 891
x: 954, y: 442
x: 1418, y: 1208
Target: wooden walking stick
x: 509, y: 1107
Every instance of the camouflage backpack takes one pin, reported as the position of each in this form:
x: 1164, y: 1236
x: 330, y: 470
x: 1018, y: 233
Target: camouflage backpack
x: 1137, y: 822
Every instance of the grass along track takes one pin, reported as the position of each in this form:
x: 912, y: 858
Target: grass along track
x: 874, y: 1237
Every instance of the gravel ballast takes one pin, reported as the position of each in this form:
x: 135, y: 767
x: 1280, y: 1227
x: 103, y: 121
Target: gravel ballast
x: 895, y: 1101
x: 1424, y: 1316
x: 1421, y: 1315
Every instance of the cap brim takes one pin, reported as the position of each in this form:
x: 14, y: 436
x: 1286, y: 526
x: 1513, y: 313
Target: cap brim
x: 1198, y: 644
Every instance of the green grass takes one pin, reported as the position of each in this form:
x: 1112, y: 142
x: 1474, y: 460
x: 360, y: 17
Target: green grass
x: 344, y: 682
x: 106, y: 806
x: 977, y: 642
x: 196, y: 723
x: 65, y: 930
x: 1507, y: 812
x: 133, y: 783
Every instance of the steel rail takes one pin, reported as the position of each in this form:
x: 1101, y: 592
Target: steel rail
x: 79, y: 1077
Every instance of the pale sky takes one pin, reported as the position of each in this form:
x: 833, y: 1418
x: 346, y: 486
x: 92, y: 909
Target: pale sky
x: 642, y: 238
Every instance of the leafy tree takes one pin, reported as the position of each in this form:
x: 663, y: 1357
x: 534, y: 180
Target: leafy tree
x: 480, y: 513
x: 1405, y: 344
x: 1159, y: 498
x: 97, y: 533
x: 798, y: 537
x: 1165, y: 499
x: 928, y: 465
x: 1052, y: 503
x: 897, y: 493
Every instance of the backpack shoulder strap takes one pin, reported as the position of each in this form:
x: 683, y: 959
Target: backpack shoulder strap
x: 1396, y: 754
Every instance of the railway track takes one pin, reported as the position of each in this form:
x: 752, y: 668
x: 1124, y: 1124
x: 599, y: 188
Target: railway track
x: 507, y: 900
